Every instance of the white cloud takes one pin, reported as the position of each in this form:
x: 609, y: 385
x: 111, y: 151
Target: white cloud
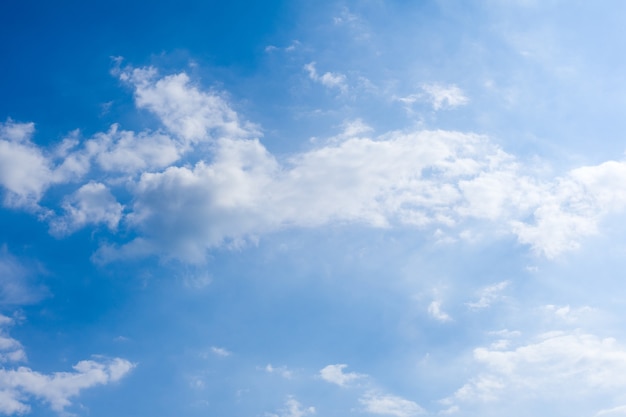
x: 328, y: 79
x: 16, y: 132
x: 128, y: 152
x: 505, y: 333
x: 572, y: 207
x: 220, y: 351
x: 57, y: 389
x: 171, y: 208
x: 19, y: 385
x: 335, y: 375
x: 444, y: 96
x: 569, y: 314
x: 237, y: 190
x: 11, y: 350
x: 245, y: 191
x: 619, y: 411
x: 280, y: 370
x: 292, y: 47
x: 25, y: 172
x: 92, y: 203
x: 488, y: 295
x: 420, y: 178
x: 391, y: 405
x: 351, y: 129
x: 187, y: 112
x: 293, y: 408
x: 557, y: 368
x: 436, y: 312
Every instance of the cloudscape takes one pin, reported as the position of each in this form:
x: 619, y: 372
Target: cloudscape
x: 289, y: 209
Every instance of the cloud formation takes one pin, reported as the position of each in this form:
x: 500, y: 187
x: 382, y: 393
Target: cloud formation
x: 444, y: 96
x: 557, y: 367
x: 488, y: 295
x: 293, y: 408
x: 58, y: 388
x: 436, y: 312
x: 328, y: 79
x: 19, y: 385
x: 236, y: 190
x: 335, y: 375
x: 93, y: 203
x: 391, y: 405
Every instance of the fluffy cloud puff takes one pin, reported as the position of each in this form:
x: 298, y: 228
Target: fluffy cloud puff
x: 58, y: 388
x: 567, y: 371
x: 19, y: 384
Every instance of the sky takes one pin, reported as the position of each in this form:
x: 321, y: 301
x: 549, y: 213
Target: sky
x: 312, y: 208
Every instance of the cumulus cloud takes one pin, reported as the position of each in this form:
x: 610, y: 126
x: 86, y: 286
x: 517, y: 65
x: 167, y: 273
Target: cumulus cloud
x: 573, y: 207
x: 56, y: 389
x: 556, y: 368
x: 92, y: 203
x: 234, y: 190
x: 129, y: 152
x: 245, y: 191
x: 25, y: 172
x: 385, y: 404
x: 183, y: 211
x: 20, y: 384
x: 335, y: 375
x: 186, y: 111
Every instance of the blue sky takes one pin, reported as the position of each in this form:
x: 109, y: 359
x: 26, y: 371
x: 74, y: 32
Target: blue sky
x: 290, y: 209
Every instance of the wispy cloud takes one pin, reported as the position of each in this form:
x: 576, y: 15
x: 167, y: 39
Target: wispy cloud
x: 219, y: 351
x: 391, y: 405
x: 327, y: 79
x: 436, y: 312
x: 445, y: 96
x: 293, y: 408
x: 488, y: 295
x: 439, y: 96
x: 619, y: 411
x: 18, y: 281
x: 279, y: 370
x: 290, y: 48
